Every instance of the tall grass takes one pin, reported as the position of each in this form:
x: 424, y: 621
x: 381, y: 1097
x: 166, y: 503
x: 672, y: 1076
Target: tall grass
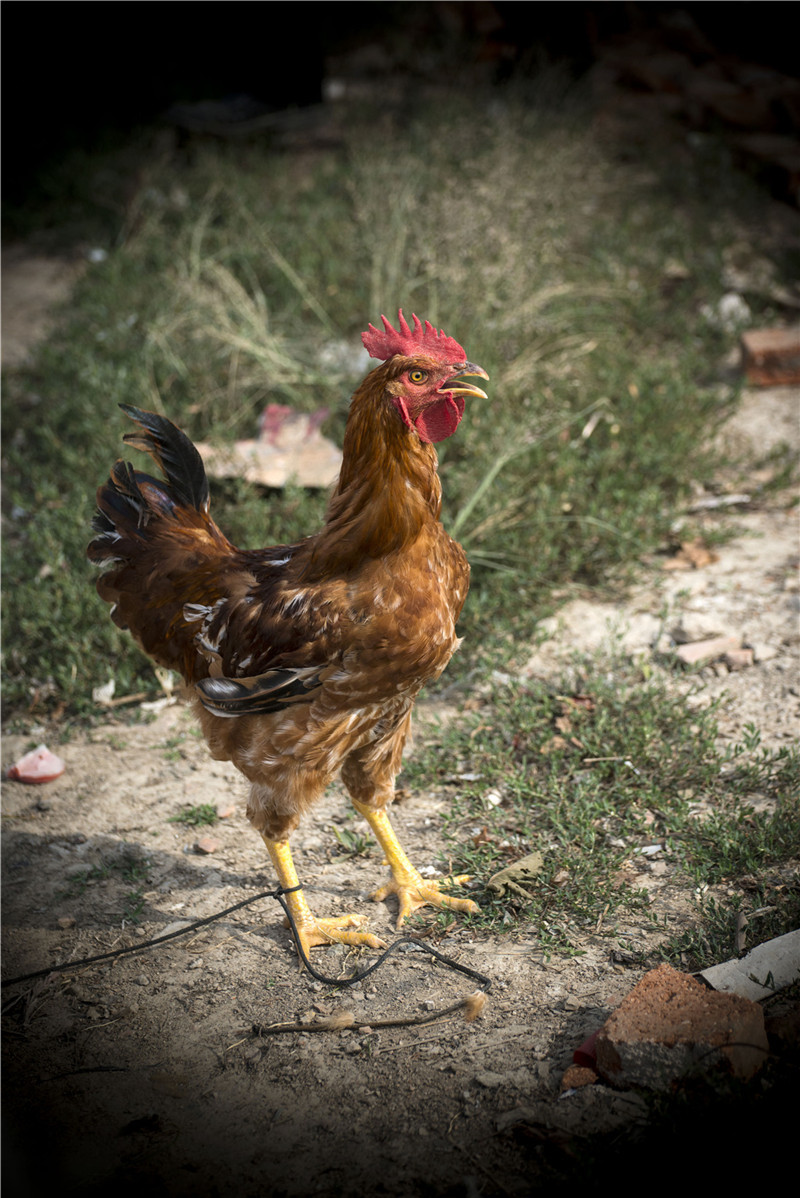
x: 238, y: 277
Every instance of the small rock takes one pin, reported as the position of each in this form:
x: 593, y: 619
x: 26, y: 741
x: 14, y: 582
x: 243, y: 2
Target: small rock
x: 66, y: 921
x: 577, y: 1076
x: 771, y: 357
x: 738, y: 659
x: 692, y: 555
x: 206, y: 845
x: 489, y: 1080
x: 697, y: 651
x: 40, y: 765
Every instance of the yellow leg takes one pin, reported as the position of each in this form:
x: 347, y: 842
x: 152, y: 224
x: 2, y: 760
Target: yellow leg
x: 407, y: 883
x: 313, y: 931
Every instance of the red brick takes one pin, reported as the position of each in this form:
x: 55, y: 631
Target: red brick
x: 671, y: 1024
x: 577, y: 1076
x: 771, y: 357
x: 694, y: 651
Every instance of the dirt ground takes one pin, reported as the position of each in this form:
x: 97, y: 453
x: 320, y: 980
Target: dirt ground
x: 145, y: 1071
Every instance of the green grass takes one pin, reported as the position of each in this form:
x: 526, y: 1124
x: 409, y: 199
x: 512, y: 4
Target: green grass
x: 200, y: 816
x: 353, y: 844
x: 592, y: 777
x: 236, y: 277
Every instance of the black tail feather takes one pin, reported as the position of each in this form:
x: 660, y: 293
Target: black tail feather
x: 131, y: 498
x: 172, y: 450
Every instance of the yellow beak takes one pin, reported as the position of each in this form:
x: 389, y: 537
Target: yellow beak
x: 469, y: 388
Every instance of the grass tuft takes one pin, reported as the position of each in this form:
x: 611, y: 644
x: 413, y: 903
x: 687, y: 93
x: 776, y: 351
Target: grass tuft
x: 605, y: 781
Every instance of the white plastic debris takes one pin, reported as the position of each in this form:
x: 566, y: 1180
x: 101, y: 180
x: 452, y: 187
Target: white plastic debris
x: 105, y: 693
x: 289, y: 446
x: 770, y: 967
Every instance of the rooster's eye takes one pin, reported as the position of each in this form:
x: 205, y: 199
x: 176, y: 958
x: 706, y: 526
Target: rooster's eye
x: 418, y: 376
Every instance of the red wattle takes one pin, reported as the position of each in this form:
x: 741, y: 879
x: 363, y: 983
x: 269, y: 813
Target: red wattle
x: 440, y: 420
x: 437, y: 421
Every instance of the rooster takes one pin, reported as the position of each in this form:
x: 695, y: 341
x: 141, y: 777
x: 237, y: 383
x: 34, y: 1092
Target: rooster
x: 304, y: 661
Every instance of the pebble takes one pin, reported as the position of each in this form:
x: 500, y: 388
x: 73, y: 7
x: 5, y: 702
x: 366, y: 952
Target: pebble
x: 738, y: 659
x: 206, y: 844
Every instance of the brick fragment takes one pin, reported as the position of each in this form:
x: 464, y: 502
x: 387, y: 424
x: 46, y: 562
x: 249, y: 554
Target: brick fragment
x: 695, y: 651
x: 671, y: 1024
x: 739, y: 659
x: 206, y: 845
x: 577, y: 1076
x: 771, y: 357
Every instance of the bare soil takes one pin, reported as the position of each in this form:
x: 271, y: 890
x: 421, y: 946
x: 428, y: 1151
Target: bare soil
x: 145, y: 1070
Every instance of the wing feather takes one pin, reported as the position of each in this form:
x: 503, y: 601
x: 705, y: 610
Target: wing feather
x: 261, y: 694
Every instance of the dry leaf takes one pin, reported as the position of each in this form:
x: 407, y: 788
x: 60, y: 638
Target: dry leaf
x: 693, y: 555
x: 553, y: 745
x: 514, y: 877
x: 482, y: 837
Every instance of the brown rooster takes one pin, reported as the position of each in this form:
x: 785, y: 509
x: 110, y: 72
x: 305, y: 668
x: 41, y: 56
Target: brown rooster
x: 303, y: 661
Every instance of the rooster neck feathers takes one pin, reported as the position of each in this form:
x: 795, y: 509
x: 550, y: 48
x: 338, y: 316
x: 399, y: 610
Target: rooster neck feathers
x: 388, y: 488
x: 388, y: 491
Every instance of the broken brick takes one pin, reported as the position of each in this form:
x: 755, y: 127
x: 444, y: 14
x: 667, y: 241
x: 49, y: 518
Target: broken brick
x: 738, y: 659
x: 577, y: 1076
x: 671, y: 1024
x: 205, y: 845
x: 771, y: 357
x: 708, y: 650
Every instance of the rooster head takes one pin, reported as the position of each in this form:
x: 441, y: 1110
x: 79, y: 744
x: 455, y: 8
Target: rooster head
x: 423, y: 375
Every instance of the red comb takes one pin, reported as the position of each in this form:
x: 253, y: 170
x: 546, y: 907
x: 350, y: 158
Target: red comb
x: 410, y: 341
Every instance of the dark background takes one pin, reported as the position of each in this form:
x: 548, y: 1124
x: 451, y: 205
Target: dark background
x: 86, y: 75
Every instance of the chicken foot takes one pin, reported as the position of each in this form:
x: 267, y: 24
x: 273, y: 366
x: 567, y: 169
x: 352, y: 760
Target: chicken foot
x: 310, y: 930
x: 407, y: 883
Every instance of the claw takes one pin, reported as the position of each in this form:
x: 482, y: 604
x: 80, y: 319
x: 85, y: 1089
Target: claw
x: 311, y: 931
x: 335, y: 930
x: 414, y: 892
x: 407, y: 883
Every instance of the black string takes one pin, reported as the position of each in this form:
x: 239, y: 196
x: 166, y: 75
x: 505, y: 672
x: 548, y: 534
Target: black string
x: 137, y: 948
x: 277, y: 894
x: 364, y: 973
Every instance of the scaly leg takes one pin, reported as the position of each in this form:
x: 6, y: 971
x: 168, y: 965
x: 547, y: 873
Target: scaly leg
x: 407, y: 883
x: 310, y: 930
